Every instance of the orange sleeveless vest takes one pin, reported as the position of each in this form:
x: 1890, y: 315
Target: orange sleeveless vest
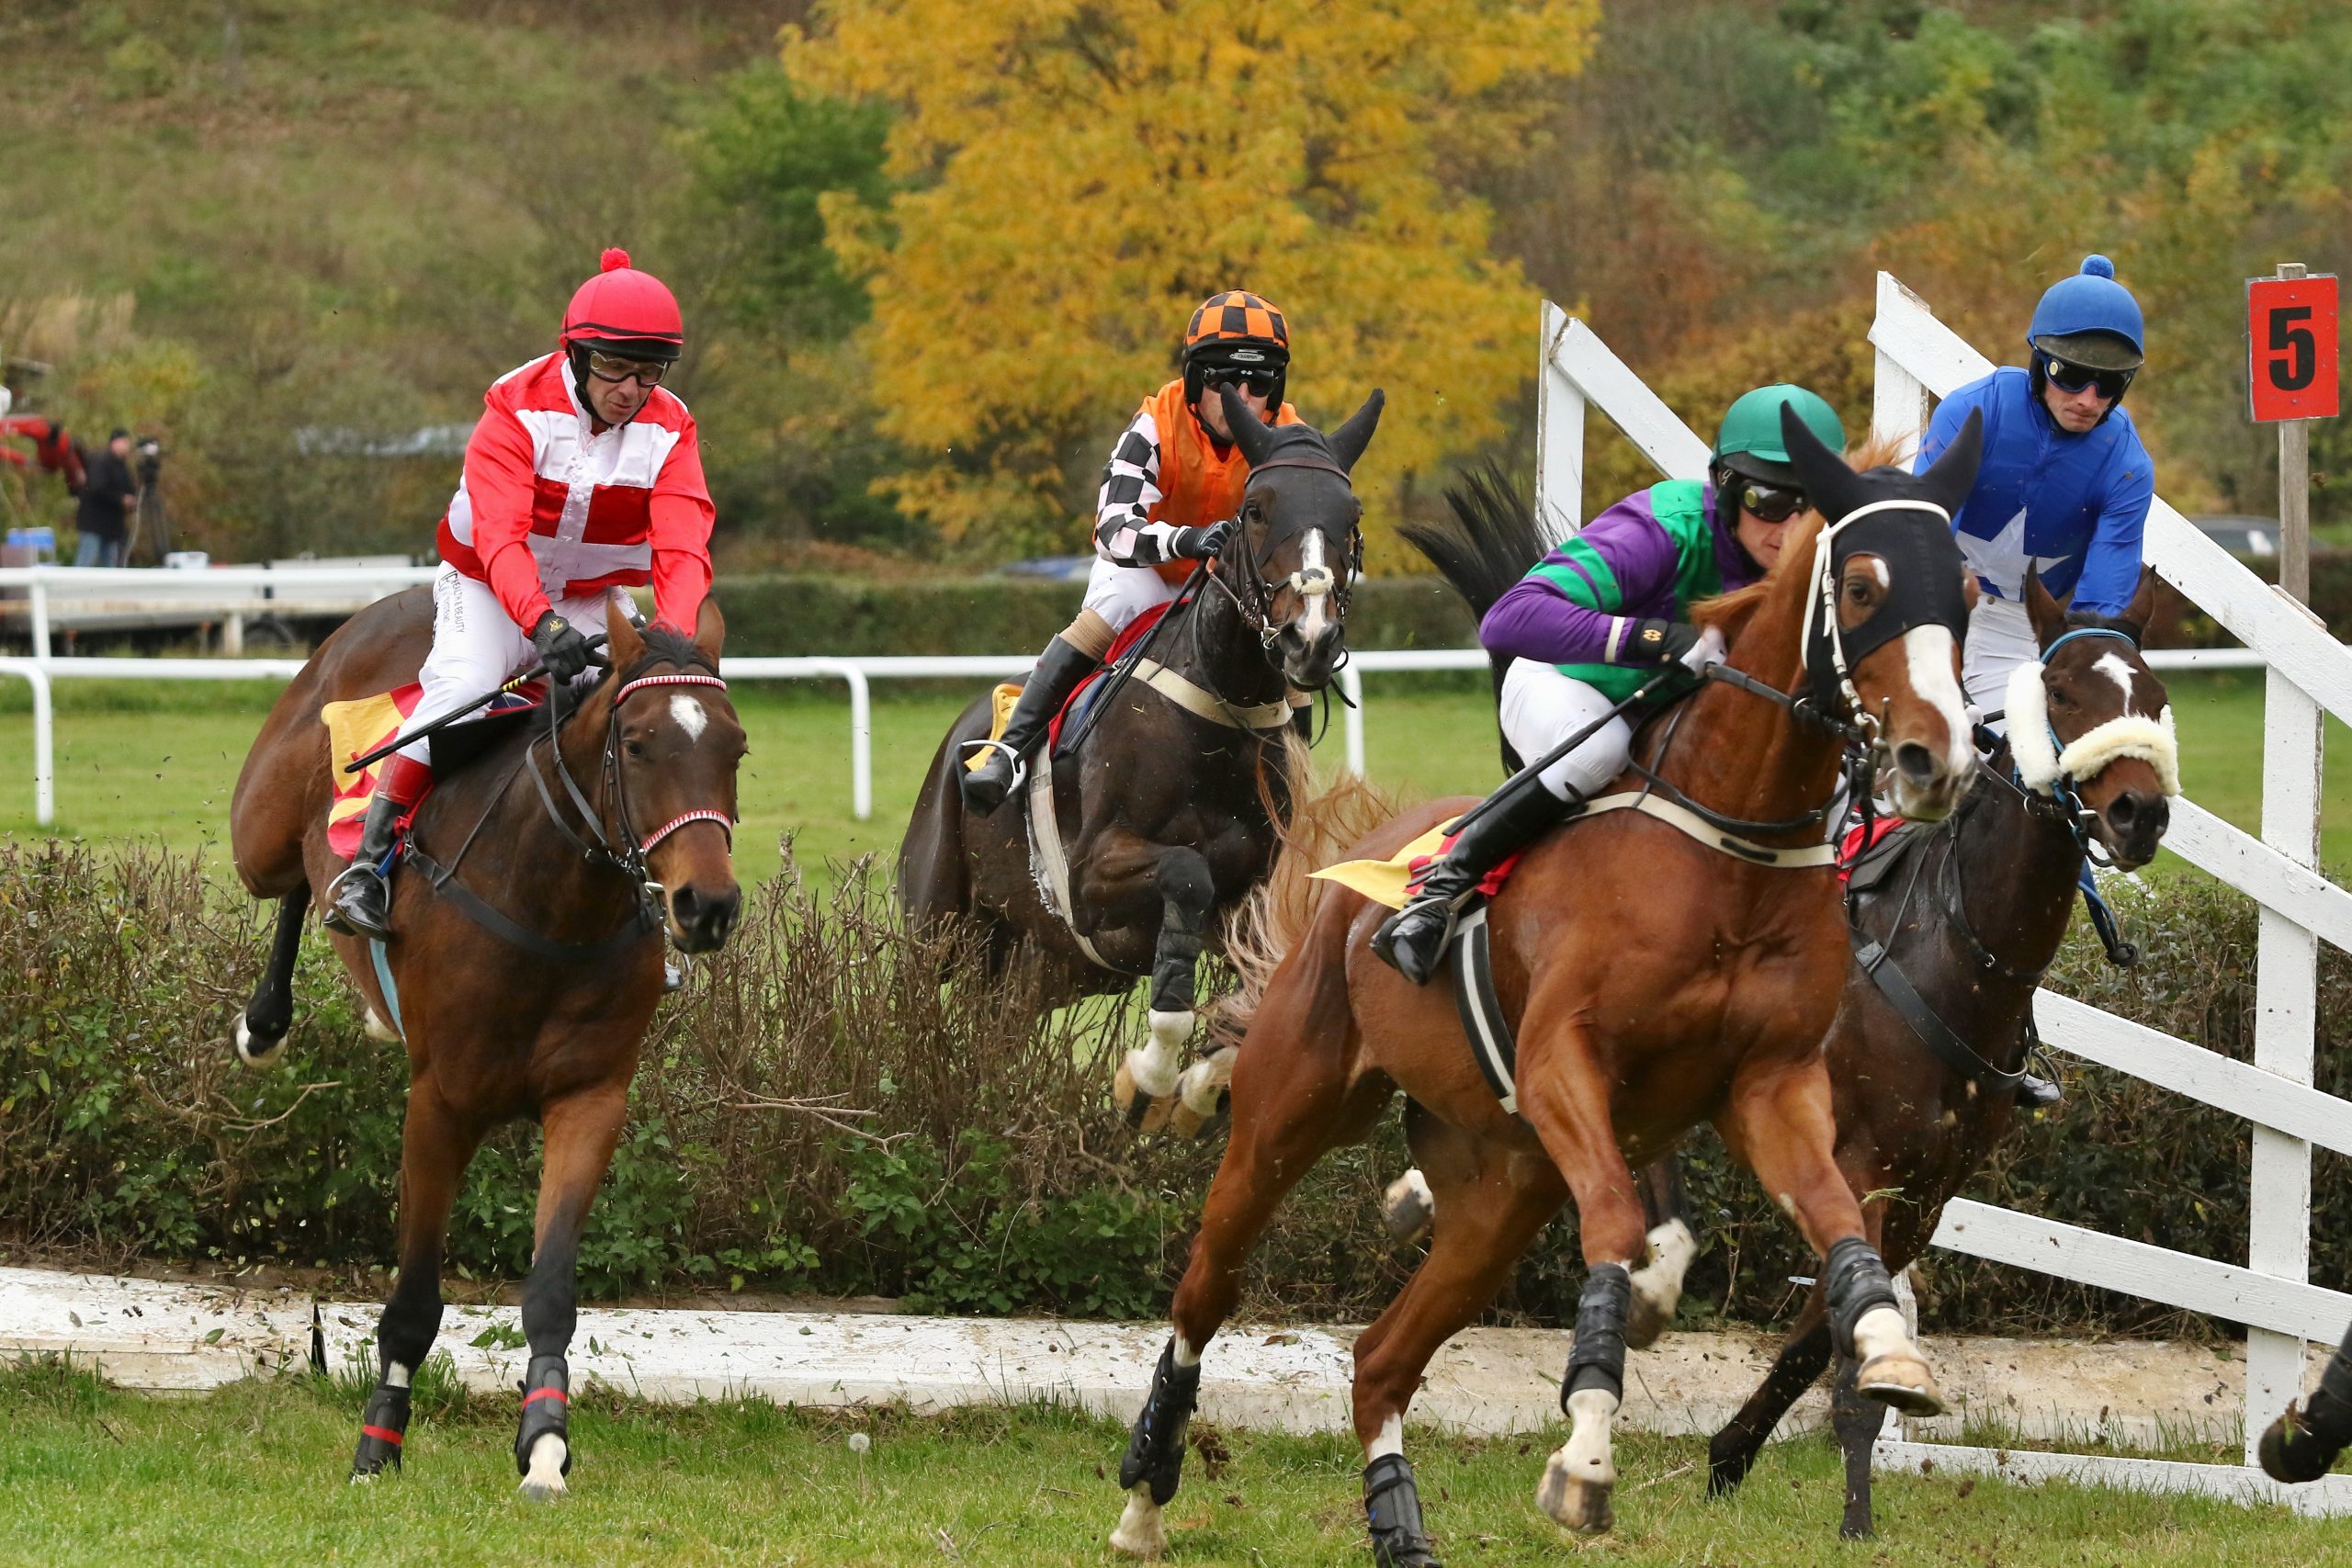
x: 1196, y: 486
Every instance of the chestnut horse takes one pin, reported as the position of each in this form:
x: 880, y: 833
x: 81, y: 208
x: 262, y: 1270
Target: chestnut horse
x: 1177, y: 789
x: 523, y: 984
x: 1653, y: 980
x: 1966, y: 918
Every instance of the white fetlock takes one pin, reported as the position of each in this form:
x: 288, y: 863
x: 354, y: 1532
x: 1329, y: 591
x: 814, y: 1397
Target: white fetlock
x: 1409, y: 1208
x: 249, y: 1052
x: 1149, y: 1075
x: 1893, y: 1369
x: 1200, y: 1090
x: 1581, y: 1476
x: 1657, y: 1284
x: 378, y: 1029
x: 544, y: 1481
x: 1141, y: 1533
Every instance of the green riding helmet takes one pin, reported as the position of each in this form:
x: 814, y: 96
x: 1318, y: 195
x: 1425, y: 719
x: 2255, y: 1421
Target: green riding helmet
x: 1749, y: 443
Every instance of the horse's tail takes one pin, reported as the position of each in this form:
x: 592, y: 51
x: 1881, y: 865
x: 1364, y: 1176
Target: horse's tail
x: 1268, y: 923
x: 1488, y: 543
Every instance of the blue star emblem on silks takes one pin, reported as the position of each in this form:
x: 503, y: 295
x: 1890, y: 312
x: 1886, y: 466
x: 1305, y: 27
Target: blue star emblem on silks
x: 2001, y: 561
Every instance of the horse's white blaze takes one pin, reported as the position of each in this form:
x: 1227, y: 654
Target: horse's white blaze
x: 2114, y: 667
x: 690, y: 716
x: 1878, y: 569
x: 1310, y: 563
x: 1928, y: 651
x: 1389, y: 1439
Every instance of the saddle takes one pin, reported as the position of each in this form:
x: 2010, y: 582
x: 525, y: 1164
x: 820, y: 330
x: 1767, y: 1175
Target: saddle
x: 359, y: 724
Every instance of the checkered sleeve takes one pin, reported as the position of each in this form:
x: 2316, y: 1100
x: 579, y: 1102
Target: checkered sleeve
x: 1123, y: 535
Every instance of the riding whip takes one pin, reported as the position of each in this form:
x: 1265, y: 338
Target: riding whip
x: 454, y: 714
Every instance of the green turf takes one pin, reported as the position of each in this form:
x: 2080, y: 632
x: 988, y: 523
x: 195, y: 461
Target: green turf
x: 136, y: 761
x: 255, y: 1473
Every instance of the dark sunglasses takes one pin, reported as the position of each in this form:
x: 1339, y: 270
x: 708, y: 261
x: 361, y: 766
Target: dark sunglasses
x: 2068, y: 376
x: 1261, y: 382
x: 613, y: 367
x: 1770, y: 503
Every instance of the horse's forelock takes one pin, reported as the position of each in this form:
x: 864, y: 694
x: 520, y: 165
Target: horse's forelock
x: 663, y: 645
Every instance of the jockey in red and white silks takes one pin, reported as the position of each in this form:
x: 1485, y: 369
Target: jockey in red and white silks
x: 582, y: 477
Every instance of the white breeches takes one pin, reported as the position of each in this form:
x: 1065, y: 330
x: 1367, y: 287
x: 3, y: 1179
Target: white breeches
x: 1542, y: 707
x: 1120, y: 593
x: 476, y: 646
x: 2000, y: 638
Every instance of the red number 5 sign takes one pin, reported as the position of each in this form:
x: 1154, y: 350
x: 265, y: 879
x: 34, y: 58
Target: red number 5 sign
x: 2290, y: 363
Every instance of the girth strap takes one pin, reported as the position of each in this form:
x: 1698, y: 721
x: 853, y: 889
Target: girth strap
x: 1049, y: 862
x: 445, y: 884
x: 1803, y: 858
x: 1201, y: 703
x: 1932, y: 1030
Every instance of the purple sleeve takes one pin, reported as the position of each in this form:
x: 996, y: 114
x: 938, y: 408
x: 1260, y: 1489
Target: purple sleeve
x: 1535, y: 620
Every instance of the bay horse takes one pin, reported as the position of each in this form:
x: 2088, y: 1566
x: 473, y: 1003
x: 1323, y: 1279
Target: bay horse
x: 524, y: 973
x: 1179, y: 787
x: 1652, y: 981
x: 1965, y: 918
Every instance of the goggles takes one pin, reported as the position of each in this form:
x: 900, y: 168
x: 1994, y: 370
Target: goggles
x: 1770, y: 503
x: 2069, y: 377
x: 1261, y: 379
x: 617, y: 367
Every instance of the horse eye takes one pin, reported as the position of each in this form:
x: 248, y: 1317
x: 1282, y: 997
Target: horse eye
x: 634, y: 748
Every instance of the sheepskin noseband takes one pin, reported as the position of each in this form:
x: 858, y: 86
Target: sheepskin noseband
x: 2041, y: 764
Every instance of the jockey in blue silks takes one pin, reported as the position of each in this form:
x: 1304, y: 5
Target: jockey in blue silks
x: 2065, y: 485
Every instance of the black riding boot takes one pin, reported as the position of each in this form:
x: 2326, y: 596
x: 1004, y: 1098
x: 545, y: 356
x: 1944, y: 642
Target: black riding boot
x: 1413, y: 939
x: 358, y: 904
x: 1059, y: 670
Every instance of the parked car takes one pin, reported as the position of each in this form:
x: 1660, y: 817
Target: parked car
x: 2254, y: 536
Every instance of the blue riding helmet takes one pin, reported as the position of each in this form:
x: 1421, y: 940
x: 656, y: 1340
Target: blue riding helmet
x: 2089, y: 320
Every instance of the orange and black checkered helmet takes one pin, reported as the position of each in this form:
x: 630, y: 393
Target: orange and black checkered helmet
x: 1237, y: 320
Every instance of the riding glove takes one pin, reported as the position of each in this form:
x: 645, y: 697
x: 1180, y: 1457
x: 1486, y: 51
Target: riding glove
x: 561, y: 648
x: 1198, y: 544
x: 1658, y: 642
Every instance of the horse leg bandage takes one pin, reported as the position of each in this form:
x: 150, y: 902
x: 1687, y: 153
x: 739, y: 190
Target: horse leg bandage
x: 1155, y: 1449
x: 1858, y: 1282
x: 383, y: 1428
x: 1392, y: 1507
x: 1597, y: 1359
x: 547, y: 1410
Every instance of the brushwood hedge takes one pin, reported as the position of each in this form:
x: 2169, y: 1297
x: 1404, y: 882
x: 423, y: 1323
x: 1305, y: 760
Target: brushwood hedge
x: 817, y: 1113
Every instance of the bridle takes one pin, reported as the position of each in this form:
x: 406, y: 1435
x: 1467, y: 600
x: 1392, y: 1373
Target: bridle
x: 1309, y: 582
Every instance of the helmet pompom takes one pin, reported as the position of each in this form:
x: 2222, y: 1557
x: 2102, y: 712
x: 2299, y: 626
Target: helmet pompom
x: 2093, y: 266
x: 617, y: 258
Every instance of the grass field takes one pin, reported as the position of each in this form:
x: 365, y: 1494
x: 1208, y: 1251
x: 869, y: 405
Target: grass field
x: 255, y: 1473
x: 146, y: 762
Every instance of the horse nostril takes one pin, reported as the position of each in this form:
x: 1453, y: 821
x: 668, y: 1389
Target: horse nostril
x: 2155, y: 814
x: 2124, y: 812
x: 1916, y: 762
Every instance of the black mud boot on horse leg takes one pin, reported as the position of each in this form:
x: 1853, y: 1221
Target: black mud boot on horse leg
x: 1413, y: 939
x: 1857, y: 1286
x: 403, y: 1338
x: 547, y: 1413
x: 2303, y: 1445
x: 383, y: 1428
x: 1059, y: 671
x: 1155, y: 1457
x: 358, y: 902
x: 1580, y: 1478
x: 1392, y: 1507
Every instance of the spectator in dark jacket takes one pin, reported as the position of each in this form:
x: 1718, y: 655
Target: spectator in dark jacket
x: 107, y: 495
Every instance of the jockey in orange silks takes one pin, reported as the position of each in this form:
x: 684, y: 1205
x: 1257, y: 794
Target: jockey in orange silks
x: 583, y: 477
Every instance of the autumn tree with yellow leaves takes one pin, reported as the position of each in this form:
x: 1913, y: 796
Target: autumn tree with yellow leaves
x: 1072, y: 177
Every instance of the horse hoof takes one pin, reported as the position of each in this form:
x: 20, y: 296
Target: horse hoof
x: 1140, y: 1532
x: 1900, y: 1380
x: 1143, y: 1112
x: 545, y: 1490
x: 1409, y: 1208
x: 253, y: 1051
x: 1581, y: 1505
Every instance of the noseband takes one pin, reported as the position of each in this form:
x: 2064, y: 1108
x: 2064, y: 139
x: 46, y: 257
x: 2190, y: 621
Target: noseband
x: 1308, y: 581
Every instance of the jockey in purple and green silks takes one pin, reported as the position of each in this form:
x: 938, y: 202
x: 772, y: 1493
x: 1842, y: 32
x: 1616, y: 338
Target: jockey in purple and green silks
x: 1597, y: 617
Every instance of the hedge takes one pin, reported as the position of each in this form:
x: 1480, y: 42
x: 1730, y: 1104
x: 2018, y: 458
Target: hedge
x: 817, y: 1113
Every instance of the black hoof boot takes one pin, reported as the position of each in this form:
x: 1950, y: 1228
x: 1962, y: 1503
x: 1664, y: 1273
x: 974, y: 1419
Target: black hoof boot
x: 1156, y: 1449
x: 1392, y: 1507
x: 383, y: 1427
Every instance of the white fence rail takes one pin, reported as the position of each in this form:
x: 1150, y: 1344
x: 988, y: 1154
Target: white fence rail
x: 1918, y: 356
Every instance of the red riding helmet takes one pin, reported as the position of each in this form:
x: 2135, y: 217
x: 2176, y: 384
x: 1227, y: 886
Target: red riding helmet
x: 631, y: 312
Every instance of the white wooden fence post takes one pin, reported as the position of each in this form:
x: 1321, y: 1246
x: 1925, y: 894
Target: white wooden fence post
x: 1559, y: 435
x: 1898, y: 398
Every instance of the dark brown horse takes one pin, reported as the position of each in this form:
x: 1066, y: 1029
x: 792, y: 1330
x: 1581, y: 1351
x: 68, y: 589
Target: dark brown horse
x: 1967, y: 916
x: 542, y: 1017
x: 1169, y: 809
x: 2305, y: 1442
x: 1653, y: 980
